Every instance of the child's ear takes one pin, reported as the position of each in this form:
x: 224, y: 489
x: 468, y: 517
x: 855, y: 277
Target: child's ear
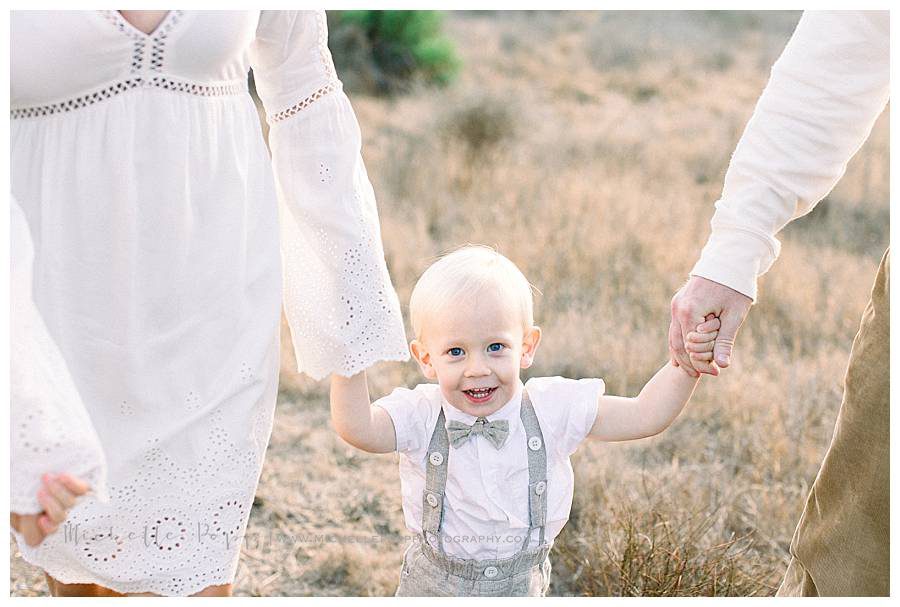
x: 530, y: 343
x: 422, y: 357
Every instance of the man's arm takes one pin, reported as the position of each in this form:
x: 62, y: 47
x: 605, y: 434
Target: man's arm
x: 356, y: 420
x: 825, y: 92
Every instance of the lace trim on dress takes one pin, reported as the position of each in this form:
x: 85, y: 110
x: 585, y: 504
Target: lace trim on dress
x: 119, y: 22
x: 159, y: 43
x: 160, y: 531
x: 158, y: 39
x: 327, y: 64
x: 304, y: 103
x: 137, y: 56
x: 218, y: 89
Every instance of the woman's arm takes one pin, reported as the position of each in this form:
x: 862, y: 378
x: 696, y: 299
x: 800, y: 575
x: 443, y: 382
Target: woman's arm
x: 339, y: 302
x: 356, y: 420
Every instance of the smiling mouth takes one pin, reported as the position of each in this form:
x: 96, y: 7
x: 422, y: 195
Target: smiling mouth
x: 479, y: 395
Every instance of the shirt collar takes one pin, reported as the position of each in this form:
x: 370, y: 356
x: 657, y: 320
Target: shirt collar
x: 507, y: 411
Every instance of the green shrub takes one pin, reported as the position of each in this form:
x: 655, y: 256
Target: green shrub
x: 387, y: 51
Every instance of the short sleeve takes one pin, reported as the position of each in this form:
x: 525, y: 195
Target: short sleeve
x: 342, y: 309
x: 414, y: 414
x: 50, y: 430
x: 566, y: 409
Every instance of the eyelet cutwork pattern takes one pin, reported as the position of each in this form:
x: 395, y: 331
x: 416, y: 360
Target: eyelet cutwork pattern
x: 221, y: 89
x: 325, y: 174
x: 364, y: 317
x: 192, y: 401
x: 157, y: 52
x: 160, y: 517
x: 142, y: 75
x: 119, y: 22
x: 50, y: 429
x: 303, y: 103
x: 157, y: 40
x: 156, y: 55
x: 137, y: 56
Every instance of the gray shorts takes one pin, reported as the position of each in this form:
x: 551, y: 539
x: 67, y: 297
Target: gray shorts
x: 434, y: 574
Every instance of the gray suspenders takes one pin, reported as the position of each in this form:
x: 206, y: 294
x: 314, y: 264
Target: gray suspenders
x: 436, y: 479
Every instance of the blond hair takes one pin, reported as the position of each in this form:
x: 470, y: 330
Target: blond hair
x: 465, y: 272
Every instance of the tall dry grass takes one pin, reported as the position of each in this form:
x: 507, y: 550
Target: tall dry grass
x: 589, y: 148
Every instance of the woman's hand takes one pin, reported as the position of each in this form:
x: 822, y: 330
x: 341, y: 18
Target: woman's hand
x: 57, y: 495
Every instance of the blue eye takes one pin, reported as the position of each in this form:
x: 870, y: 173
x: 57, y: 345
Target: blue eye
x: 455, y: 351
x: 495, y: 347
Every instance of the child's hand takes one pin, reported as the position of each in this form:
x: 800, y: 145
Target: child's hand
x: 57, y: 496
x: 701, y: 341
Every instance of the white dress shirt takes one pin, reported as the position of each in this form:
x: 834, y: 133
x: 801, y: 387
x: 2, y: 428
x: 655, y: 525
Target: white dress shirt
x: 825, y: 92
x: 486, y: 506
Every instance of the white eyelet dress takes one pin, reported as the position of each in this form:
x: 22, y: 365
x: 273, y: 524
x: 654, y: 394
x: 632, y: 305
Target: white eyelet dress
x: 156, y: 217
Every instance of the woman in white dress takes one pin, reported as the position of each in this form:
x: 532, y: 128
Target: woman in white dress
x: 138, y: 159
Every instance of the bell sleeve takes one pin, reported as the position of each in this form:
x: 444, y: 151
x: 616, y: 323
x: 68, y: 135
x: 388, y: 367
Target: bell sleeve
x: 50, y: 429
x: 342, y: 310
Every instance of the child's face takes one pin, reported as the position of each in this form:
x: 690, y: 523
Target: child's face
x: 475, y: 350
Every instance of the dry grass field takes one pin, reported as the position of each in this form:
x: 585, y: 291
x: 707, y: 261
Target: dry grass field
x: 590, y: 148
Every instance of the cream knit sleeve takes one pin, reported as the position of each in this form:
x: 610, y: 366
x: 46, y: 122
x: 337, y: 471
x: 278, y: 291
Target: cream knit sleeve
x: 825, y: 92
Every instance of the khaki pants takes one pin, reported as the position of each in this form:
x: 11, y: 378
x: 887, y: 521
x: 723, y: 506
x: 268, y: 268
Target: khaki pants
x: 842, y: 543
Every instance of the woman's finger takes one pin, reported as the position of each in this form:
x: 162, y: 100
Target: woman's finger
x: 55, y: 511
x: 74, y: 484
x: 702, y: 356
x: 65, y: 497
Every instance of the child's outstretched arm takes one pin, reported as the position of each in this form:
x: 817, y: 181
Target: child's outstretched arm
x: 356, y: 420
x: 660, y: 401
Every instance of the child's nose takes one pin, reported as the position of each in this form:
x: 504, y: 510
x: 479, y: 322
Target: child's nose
x: 477, y: 367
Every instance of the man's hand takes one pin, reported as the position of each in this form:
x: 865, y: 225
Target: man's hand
x: 691, y: 305
x: 57, y: 495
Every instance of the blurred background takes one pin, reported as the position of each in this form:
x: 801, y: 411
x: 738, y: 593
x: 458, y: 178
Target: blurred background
x: 589, y: 148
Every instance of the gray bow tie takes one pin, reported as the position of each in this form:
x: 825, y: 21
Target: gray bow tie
x: 495, y: 432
